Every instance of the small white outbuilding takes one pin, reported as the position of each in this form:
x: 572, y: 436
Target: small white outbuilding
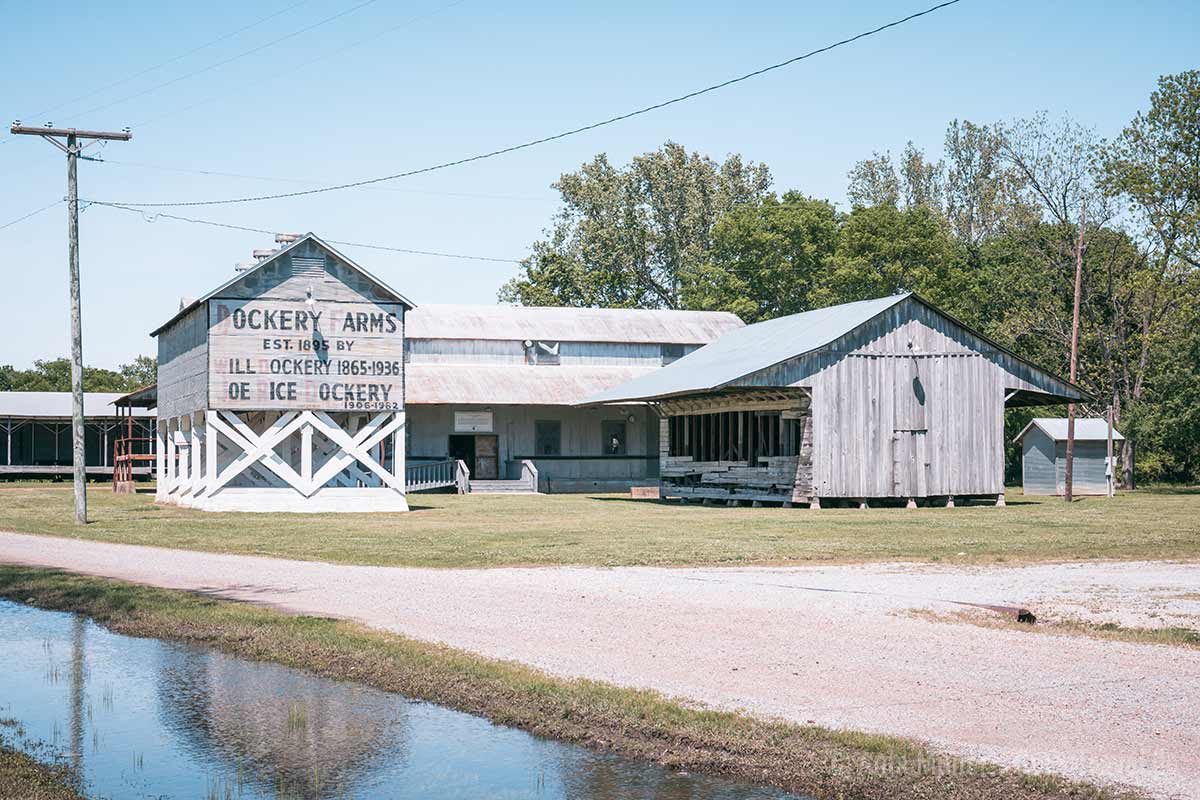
x: 1044, y: 455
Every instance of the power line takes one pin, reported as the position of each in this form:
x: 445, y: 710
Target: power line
x: 231, y: 59
x: 30, y: 214
x: 154, y: 216
x: 554, y: 137
x: 276, y: 179
x: 172, y: 60
x: 290, y: 71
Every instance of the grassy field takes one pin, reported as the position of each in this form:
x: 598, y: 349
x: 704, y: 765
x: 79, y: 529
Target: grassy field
x: 489, y: 530
x: 807, y: 759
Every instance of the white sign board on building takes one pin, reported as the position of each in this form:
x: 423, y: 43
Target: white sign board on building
x: 292, y: 354
x: 472, y: 421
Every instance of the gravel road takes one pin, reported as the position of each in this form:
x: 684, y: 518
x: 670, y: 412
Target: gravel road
x: 838, y: 646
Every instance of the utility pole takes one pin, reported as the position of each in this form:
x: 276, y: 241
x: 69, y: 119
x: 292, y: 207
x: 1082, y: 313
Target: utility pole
x: 72, y: 148
x: 1068, y: 489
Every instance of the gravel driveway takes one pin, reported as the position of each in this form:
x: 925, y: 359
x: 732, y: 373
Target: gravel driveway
x: 835, y: 645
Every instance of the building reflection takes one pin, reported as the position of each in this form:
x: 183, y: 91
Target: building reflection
x: 298, y: 735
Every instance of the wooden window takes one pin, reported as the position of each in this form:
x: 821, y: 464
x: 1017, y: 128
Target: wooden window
x: 547, y: 437
x: 613, y: 437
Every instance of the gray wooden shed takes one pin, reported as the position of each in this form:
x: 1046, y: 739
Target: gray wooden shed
x: 884, y: 398
x: 1044, y: 455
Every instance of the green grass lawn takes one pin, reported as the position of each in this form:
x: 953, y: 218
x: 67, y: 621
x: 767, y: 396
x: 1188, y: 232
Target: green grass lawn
x: 489, y: 530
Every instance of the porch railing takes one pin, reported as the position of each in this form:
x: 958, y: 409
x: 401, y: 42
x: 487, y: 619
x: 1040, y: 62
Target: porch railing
x: 421, y: 475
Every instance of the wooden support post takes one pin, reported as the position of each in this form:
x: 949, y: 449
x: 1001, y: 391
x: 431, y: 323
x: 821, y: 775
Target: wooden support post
x: 306, y: 453
x: 398, y: 455
x: 950, y: 501
x: 1000, y: 500
x: 814, y: 503
x: 912, y: 503
x: 172, y: 462
x: 160, y: 461
x: 210, y: 453
x: 196, y: 456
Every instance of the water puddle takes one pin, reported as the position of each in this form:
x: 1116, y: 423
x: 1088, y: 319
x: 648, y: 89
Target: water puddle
x: 143, y: 718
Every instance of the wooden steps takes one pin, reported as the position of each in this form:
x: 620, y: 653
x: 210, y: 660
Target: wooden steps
x: 501, y: 487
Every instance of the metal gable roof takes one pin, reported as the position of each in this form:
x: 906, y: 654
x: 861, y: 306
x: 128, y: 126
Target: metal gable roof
x: 495, y: 384
x: 745, y: 350
x: 57, y: 405
x: 308, y: 237
x: 1087, y: 429
x: 561, y: 324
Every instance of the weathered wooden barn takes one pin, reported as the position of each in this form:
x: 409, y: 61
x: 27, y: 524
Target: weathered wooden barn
x: 498, y: 388
x: 283, y: 389
x: 1044, y: 456
x: 37, y: 432
x: 886, y: 398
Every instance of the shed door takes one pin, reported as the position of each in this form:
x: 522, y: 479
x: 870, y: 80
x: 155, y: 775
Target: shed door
x: 910, y: 464
x: 910, y: 456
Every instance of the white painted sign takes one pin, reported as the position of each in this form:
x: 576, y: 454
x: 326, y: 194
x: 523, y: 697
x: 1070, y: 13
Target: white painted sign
x: 323, y: 355
x: 472, y: 421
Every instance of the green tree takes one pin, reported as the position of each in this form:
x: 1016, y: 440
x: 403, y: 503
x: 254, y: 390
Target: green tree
x: 767, y: 258
x: 884, y: 250
x: 635, y: 237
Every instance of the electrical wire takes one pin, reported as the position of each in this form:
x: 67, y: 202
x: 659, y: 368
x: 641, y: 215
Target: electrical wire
x: 31, y: 214
x: 291, y: 70
x: 172, y: 60
x: 554, y: 137
x: 276, y: 179
x: 231, y: 59
x: 154, y: 216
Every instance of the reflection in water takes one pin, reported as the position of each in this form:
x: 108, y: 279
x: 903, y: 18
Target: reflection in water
x: 177, y: 721
x: 277, y: 725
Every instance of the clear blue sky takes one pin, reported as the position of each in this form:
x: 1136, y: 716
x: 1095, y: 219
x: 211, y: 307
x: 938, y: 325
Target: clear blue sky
x: 467, y: 77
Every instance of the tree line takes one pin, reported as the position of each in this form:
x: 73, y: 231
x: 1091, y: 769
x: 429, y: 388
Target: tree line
x: 54, y: 375
x: 987, y: 230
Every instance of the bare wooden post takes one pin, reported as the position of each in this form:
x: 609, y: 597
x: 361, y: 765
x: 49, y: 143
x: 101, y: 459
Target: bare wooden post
x: 1070, y: 477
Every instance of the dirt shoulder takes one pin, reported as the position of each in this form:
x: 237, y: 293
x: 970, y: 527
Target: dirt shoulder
x: 836, y: 647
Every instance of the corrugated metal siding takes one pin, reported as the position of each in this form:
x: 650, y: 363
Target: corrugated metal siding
x: 494, y: 351
x: 1088, y: 467
x: 1038, y: 464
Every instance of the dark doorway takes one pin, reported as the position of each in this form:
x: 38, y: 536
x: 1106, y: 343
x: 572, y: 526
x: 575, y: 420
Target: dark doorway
x: 462, y: 448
